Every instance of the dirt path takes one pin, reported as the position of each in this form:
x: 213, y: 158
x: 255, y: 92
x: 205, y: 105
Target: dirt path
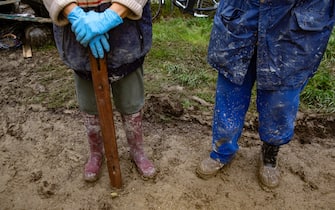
x: 42, y: 152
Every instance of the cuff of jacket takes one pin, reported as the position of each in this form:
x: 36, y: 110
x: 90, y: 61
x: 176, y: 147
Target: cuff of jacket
x: 56, y: 9
x: 136, y: 7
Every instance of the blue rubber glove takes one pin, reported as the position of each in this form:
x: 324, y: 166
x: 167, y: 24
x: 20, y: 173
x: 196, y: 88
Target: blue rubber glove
x: 76, y: 14
x: 93, y: 24
x: 98, y: 45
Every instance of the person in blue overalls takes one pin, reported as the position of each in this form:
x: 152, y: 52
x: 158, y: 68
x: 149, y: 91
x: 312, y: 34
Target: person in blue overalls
x: 277, y: 45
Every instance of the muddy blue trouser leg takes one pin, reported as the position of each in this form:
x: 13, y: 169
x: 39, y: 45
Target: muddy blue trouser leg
x: 231, y: 104
x: 277, y: 112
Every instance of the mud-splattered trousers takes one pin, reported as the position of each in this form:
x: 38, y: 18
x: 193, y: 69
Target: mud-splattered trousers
x: 276, y: 45
x: 277, y: 111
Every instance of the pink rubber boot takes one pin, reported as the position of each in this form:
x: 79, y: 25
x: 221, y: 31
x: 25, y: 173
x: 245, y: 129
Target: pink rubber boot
x: 133, y: 128
x: 93, y: 165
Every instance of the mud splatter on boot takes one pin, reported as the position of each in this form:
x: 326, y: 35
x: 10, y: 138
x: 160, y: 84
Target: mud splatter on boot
x: 133, y: 128
x: 269, y: 174
x: 93, y: 166
x: 208, y: 168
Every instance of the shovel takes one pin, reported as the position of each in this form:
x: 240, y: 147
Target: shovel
x: 105, y: 110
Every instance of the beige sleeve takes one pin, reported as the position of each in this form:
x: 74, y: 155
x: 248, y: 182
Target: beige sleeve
x: 55, y: 8
x: 135, y: 6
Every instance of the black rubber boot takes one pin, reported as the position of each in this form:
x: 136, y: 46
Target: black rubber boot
x: 268, y: 173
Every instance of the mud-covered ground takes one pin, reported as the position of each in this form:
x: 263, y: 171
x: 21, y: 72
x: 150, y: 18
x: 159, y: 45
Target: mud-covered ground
x: 43, y: 150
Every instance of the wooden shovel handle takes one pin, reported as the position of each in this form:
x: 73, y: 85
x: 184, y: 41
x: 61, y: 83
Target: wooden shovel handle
x: 104, y: 104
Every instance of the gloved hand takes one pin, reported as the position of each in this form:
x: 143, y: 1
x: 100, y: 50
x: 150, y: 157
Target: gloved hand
x: 98, y: 44
x: 76, y: 14
x: 93, y: 23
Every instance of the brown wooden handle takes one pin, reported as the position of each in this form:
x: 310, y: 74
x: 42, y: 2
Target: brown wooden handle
x: 104, y: 104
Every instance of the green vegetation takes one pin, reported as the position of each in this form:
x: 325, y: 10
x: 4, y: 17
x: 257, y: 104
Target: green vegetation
x: 179, y: 58
x: 319, y: 94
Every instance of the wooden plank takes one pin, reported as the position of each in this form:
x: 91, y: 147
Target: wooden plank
x: 25, y: 18
x: 26, y: 50
x: 8, y: 2
x: 104, y: 104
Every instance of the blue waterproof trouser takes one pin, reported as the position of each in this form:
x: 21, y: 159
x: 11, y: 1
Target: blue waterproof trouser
x: 277, y: 112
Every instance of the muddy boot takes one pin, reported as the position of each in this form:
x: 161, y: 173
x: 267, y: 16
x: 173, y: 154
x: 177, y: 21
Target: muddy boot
x: 133, y: 128
x: 208, y: 168
x: 269, y: 174
x: 93, y: 165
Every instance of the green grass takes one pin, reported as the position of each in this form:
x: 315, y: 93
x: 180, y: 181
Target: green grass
x: 179, y: 58
x: 319, y: 94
